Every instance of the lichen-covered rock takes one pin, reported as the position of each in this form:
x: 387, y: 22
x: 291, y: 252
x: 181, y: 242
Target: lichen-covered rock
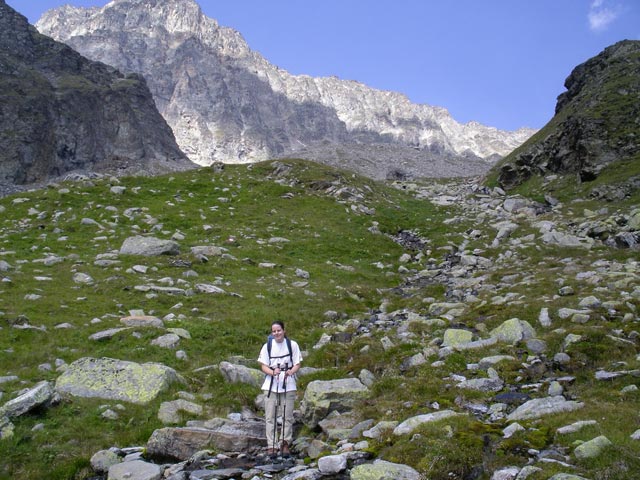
x: 114, y: 379
x: 592, y: 448
x: 513, y: 331
x: 456, y: 336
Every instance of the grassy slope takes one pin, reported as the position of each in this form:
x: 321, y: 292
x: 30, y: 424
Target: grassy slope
x: 244, y: 209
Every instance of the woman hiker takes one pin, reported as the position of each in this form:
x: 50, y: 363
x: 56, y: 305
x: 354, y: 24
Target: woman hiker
x: 280, y: 360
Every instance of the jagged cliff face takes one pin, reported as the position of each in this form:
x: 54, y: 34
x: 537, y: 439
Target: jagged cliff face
x: 596, y: 121
x: 61, y: 112
x: 226, y: 102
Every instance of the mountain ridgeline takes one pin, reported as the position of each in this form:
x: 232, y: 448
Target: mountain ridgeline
x: 62, y: 112
x: 227, y: 103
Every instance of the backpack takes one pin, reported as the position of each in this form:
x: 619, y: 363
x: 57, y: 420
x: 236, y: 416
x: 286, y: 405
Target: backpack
x: 290, y: 354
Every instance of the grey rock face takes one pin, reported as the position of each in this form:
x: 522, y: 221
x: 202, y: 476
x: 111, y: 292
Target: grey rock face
x: 227, y: 103
x: 62, y: 112
x: 579, y: 139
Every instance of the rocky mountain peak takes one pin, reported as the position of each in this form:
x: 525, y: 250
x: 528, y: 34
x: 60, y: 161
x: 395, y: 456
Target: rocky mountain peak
x: 596, y: 69
x: 227, y: 103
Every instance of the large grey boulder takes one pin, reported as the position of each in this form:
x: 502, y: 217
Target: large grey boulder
x: 241, y: 374
x: 221, y: 435
x: 540, y: 407
x: 324, y: 396
x: 149, y: 246
x: 114, y: 379
x: 42, y: 394
x: 383, y: 470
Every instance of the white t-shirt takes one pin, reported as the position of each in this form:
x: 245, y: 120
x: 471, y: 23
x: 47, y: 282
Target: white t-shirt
x: 280, y: 355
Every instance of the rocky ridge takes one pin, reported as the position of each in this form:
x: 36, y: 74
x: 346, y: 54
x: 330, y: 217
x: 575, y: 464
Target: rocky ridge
x: 62, y: 112
x: 225, y: 102
x: 595, y: 123
x: 547, y: 355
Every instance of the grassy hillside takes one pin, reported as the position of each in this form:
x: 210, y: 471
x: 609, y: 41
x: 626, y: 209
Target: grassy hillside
x: 339, y: 228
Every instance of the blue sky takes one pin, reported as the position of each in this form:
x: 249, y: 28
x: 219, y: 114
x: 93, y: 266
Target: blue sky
x: 499, y: 62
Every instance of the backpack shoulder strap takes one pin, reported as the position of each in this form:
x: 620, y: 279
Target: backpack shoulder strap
x: 290, y: 349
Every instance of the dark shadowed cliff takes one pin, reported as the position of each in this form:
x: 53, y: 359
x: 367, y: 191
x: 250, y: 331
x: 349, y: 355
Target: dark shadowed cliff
x: 60, y: 112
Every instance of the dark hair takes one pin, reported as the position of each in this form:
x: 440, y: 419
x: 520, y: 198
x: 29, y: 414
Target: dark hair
x: 278, y: 322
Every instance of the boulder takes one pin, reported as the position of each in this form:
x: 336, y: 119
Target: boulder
x: 142, y: 321
x: 241, y: 374
x: 169, y: 412
x: 114, y: 379
x: 412, y: 423
x: 566, y: 240
x: 380, y: 429
x: 456, y: 336
x: 332, y: 464
x: 221, y: 435
x: 324, y: 396
x: 102, y: 460
x: 514, y: 330
x: 539, y: 407
x: 383, y: 470
x: 593, y: 448
x: 208, y: 250
x: 42, y: 394
x: 135, y: 470
x: 149, y: 246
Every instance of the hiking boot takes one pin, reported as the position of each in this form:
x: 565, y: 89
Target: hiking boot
x: 272, y: 452
x: 285, y: 449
